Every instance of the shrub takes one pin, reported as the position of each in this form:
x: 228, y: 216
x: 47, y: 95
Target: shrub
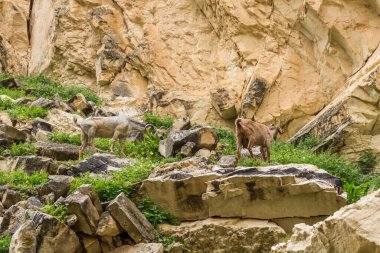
x: 58, y: 211
x: 21, y: 180
x: 45, y: 87
x: 156, y: 215
x: 65, y: 138
x: 227, y: 138
x: 23, y: 149
x: 22, y: 111
x: 157, y: 121
x: 146, y: 149
x: 367, y: 160
x: 5, y: 242
x: 12, y: 93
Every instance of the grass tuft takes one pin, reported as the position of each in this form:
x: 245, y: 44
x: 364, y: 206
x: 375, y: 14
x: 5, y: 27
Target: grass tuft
x: 58, y: 211
x: 22, y: 149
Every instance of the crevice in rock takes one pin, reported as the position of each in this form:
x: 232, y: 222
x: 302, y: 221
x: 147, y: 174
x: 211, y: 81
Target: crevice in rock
x: 28, y: 22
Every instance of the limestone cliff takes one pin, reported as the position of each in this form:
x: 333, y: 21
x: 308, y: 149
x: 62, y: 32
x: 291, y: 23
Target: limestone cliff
x: 280, y: 60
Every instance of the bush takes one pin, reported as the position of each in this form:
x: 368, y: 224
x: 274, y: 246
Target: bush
x: 21, y: 180
x: 23, y: 149
x: 65, y: 138
x: 45, y: 87
x: 12, y: 93
x: 227, y: 138
x: 58, y: 211
x: 22, y: 111
x: 156, y: 215
x: 157, y: 121
x: 5, y: 242
x: 367, y: 160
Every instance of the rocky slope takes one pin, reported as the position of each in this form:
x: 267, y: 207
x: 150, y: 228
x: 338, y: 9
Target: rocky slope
x: 212, y: 60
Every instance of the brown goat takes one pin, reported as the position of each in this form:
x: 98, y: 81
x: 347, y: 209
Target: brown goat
x: 250, y: 133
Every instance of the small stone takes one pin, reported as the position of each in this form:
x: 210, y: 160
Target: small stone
x: 10, y: 198
x: 203, y: 153
x: 228, y: 161
x: 188, y: 149
x: 107, y: 226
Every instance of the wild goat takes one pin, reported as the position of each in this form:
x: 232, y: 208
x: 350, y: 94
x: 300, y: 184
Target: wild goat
x: 116, y: 127
x: 250, y: 133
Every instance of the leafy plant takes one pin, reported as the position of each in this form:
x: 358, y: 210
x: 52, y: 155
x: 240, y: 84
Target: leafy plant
x: 58, y: 211
x: 42, y: 86
x: 157, y: 121
x: 367, y: 159
x: 22, y: 111
x: 5, y: 242
x: 355, y: 192
x: 21, y: 149
x: 156, y: 215
x: 12, y: 93
x: 228, y: 139
x: 22, y: 181
x: 166, y: 241
x: 65, y: 138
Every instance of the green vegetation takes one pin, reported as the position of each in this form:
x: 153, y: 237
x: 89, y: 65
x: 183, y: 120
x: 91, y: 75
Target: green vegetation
x: 155, y: 214
x: 65, y: 138
x: 21, y: 180
x: 21, y: 149
x: 228, y: 139
x: 166, y: 241
x: 22, y: 111
x: 157, y: 121
x: 42, y: 86
x: 5, y: 242
x: 58, y: 211
x: 367, y: 160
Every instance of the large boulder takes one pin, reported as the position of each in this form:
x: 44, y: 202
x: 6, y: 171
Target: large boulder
x: 13, y: 133
x: 356, y: 226
x: 203, y: 137
x: 58, y: 184
x: 63, y: 121
x: 31, y: 164
x: 196, y: 191
x: 100, y: 164
x: 108, y: 226
x: 131, y: 220
x: 79, y: 104
x: 81, y: 204
x: 225, y: 235
x: 10, y: 198
x: 58, y: 151
x: 43, y: 233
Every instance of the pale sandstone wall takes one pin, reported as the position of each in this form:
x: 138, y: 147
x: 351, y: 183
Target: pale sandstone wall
x: 212, y: 60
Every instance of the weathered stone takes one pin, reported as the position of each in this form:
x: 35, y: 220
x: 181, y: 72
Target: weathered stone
x: 31, y: 164
x: 41, y: 124
x: 108, y: 226
x: 44, y: 233
x: 140, y: 248
x: 228, y: 161
x: 23, y: 101
x: 13, y: 218
x: 90, y: 244
x: 181, y: 124
x: 224, y: 102
x: 58, y: 184
x: 79, y: 104
x: 100, y: 164
x: 13, y: 133
x: 41, y: 135
x: 204, y: 137
x: 58, y: 151
x: 89, y: 190
x: 131, y: 219
x: 288, y: 223
x: 192, y: 191
x: 355, y: 225
x: 188, y: 149
x: 10, y: 198
x: 226, y: 235
x: 203, y: 152
x: 44, y: 103
x: 5, y: 119
x: 88, y: 216
x: 63, y: 121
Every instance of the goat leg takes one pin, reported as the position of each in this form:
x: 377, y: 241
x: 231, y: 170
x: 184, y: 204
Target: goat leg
x: 122, y: 144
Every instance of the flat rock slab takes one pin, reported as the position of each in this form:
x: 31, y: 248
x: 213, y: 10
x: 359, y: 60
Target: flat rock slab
x: 100, y: 164
x: 130, y: 219
x: 225, y: 235
x: 58, y: 151
x: 140, y: 248
x: 31, y: 164
x: 270, y: 192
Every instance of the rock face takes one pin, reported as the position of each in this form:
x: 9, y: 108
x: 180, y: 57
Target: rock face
x: 140, y: 248
x: 44, y: 233
x: 131, y: 219
x: 192, y: 191
x: 203, y: 137
x: 58, y: 151
x: 31, y: 164
x: 226, y: 235
x: 355, y: 225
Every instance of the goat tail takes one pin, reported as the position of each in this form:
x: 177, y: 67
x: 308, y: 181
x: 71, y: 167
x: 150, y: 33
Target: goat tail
x: 237, y: 123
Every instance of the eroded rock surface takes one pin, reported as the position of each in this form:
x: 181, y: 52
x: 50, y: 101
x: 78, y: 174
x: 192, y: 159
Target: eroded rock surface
x: 355, y: 225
